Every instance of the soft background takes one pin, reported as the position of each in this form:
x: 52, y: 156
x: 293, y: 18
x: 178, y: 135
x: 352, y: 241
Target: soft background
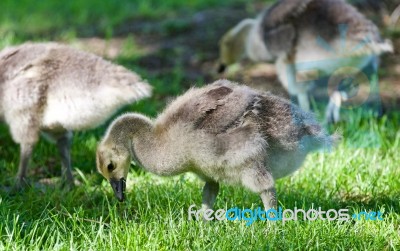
x: 174, y: 45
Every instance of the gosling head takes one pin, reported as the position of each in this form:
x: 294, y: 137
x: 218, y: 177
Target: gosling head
x: 233, y: 44
x: 113, y: 163
x: 113, y: 156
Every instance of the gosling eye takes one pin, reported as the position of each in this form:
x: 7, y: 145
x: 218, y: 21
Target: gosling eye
x: 110, y: 167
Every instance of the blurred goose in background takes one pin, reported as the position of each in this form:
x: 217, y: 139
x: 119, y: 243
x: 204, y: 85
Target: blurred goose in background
x: 386, y: 11
x: 223, y: 132
x: 56, y: 89
x: 320, y: 34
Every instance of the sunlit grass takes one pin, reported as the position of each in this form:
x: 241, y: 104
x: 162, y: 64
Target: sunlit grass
x: 155, y: 213
x: 361, y: 173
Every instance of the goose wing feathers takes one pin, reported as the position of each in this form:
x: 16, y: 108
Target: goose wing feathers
x: 213, y: 109
x: 236, y: 113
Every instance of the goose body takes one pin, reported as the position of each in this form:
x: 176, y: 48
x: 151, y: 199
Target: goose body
x: 56, y: 89
x: 323, y: 34
x: 223, y: 132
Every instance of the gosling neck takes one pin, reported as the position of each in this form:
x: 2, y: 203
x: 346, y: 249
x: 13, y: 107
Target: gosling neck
x: 238, y: 37
x: 255, y: 47
x: 127, y: 128
x: 137, y: 135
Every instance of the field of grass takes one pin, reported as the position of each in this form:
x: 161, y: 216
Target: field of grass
x: 360, y: 174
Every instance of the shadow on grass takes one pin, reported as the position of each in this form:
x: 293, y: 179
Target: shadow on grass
x: 148, y: 201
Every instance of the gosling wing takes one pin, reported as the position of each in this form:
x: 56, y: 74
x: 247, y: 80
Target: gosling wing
x: 213, y: 108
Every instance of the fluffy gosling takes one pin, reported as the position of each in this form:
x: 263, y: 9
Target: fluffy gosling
x: 223, y: 132
x: 328, y: 34
x: 55, y: 89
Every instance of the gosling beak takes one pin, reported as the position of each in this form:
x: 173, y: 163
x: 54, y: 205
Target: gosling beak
x: 221, y: 68
x: 119, y: 188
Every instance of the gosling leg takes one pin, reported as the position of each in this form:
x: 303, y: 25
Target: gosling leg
x: 304, y: 102
x: 268, y: 198
x: 210, y: 192
x: 259, y: 180
x: 332, y: 113
x: 25, y: 155
x: 64, y: 147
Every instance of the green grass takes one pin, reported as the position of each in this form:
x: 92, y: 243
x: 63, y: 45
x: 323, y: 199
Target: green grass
x: 155, y: 214
x: 51, y: 18
x: 361, y: 173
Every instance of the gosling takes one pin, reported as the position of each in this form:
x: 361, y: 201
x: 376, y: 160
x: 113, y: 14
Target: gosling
x: 324, y: 35
x: 223, y: 132
x: 55, y: 89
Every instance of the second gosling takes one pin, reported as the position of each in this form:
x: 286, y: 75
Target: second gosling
x: 223, y: 132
